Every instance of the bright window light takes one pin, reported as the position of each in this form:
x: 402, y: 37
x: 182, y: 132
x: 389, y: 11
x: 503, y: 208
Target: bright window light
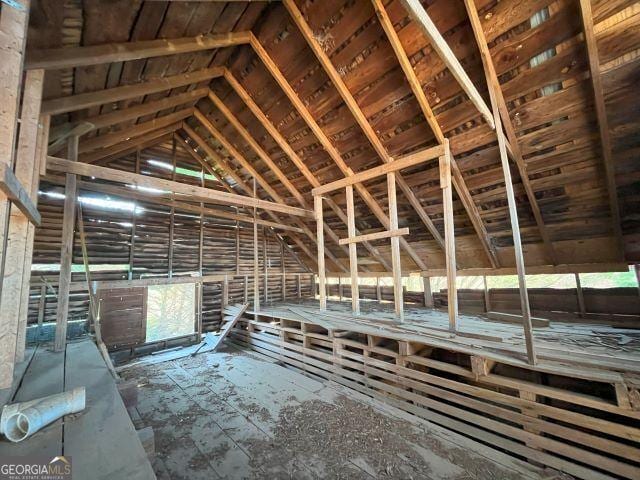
x: 158, y: 163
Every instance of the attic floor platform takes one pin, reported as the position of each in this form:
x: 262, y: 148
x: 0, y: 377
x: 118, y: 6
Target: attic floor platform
x: 236, y: 414
x: 593, y: 351
x: 576, y: 410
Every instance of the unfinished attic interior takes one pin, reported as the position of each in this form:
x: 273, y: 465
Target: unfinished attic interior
x: 320, y: 239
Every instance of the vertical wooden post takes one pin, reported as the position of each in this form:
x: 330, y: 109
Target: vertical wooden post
x: 395, y: 248
x: 199, y: 289
x: 256, y: 260
x: 487, y: 294
x: 224, y: 302
x: 426, y: 291
x: 245, y: 296
x: 322, y: 286
x: 42, y: 305
x: 237, y: 245
x: 449, y: 233
x: 13, y: 31
x: 173, y: 211
x: 378, y: 290
x: 19, y: 246
x: 353, y: 252
x: 132, y: 244
x: 66, y: 253
x: 265, y: 262
x: 201, y: 236
x: 284, y: 273
x: 299, y: 285
x: 580, y: 294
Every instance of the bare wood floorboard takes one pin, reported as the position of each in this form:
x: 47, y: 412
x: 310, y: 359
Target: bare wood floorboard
x: 235, y: 414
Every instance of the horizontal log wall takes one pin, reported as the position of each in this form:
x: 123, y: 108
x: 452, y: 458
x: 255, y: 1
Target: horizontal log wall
x: 109, y: 239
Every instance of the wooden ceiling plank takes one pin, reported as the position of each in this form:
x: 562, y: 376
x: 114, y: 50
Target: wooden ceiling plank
x: 603, y: 123
x: 512, y: 141
x: 91, y: 99
x: 69, y: 57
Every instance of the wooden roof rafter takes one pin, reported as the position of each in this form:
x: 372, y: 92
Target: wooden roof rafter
x: 110, y: 95
x: 70, y: 57
x: 264, y: 156
x: 359, y: 116
x: 236, y: 155
x: 513, y: 146
x: 115, y: 138
x: 127, y: 146
x: 226, y: 185
x: 603, y: 123
x: 294, y: 157
x: 220, y: 162
x: 457, y: 178
x: 326, y: 143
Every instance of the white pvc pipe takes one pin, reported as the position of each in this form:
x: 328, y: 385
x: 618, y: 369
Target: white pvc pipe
x: 21, y: 420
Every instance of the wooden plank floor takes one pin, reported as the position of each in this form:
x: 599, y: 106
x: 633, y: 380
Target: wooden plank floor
x: 233, y: 414
x: 101, y: 440
x: 599, y: 350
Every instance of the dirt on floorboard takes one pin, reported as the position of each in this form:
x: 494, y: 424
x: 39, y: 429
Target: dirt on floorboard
x: 232, y: 415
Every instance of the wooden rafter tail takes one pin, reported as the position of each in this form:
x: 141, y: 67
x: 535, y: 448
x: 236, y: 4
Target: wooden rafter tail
x: 293, y: 156
x: 512, y: 144
x: 358, y: 115
x: 603, y: 123
x: 458, y: 180
x: 326, y: 143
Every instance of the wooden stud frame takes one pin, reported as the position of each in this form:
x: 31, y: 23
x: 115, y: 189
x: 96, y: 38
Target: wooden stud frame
x: 449, y: 236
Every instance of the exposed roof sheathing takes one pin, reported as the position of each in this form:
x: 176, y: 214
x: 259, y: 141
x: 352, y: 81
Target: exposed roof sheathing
x: 539, y: 54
